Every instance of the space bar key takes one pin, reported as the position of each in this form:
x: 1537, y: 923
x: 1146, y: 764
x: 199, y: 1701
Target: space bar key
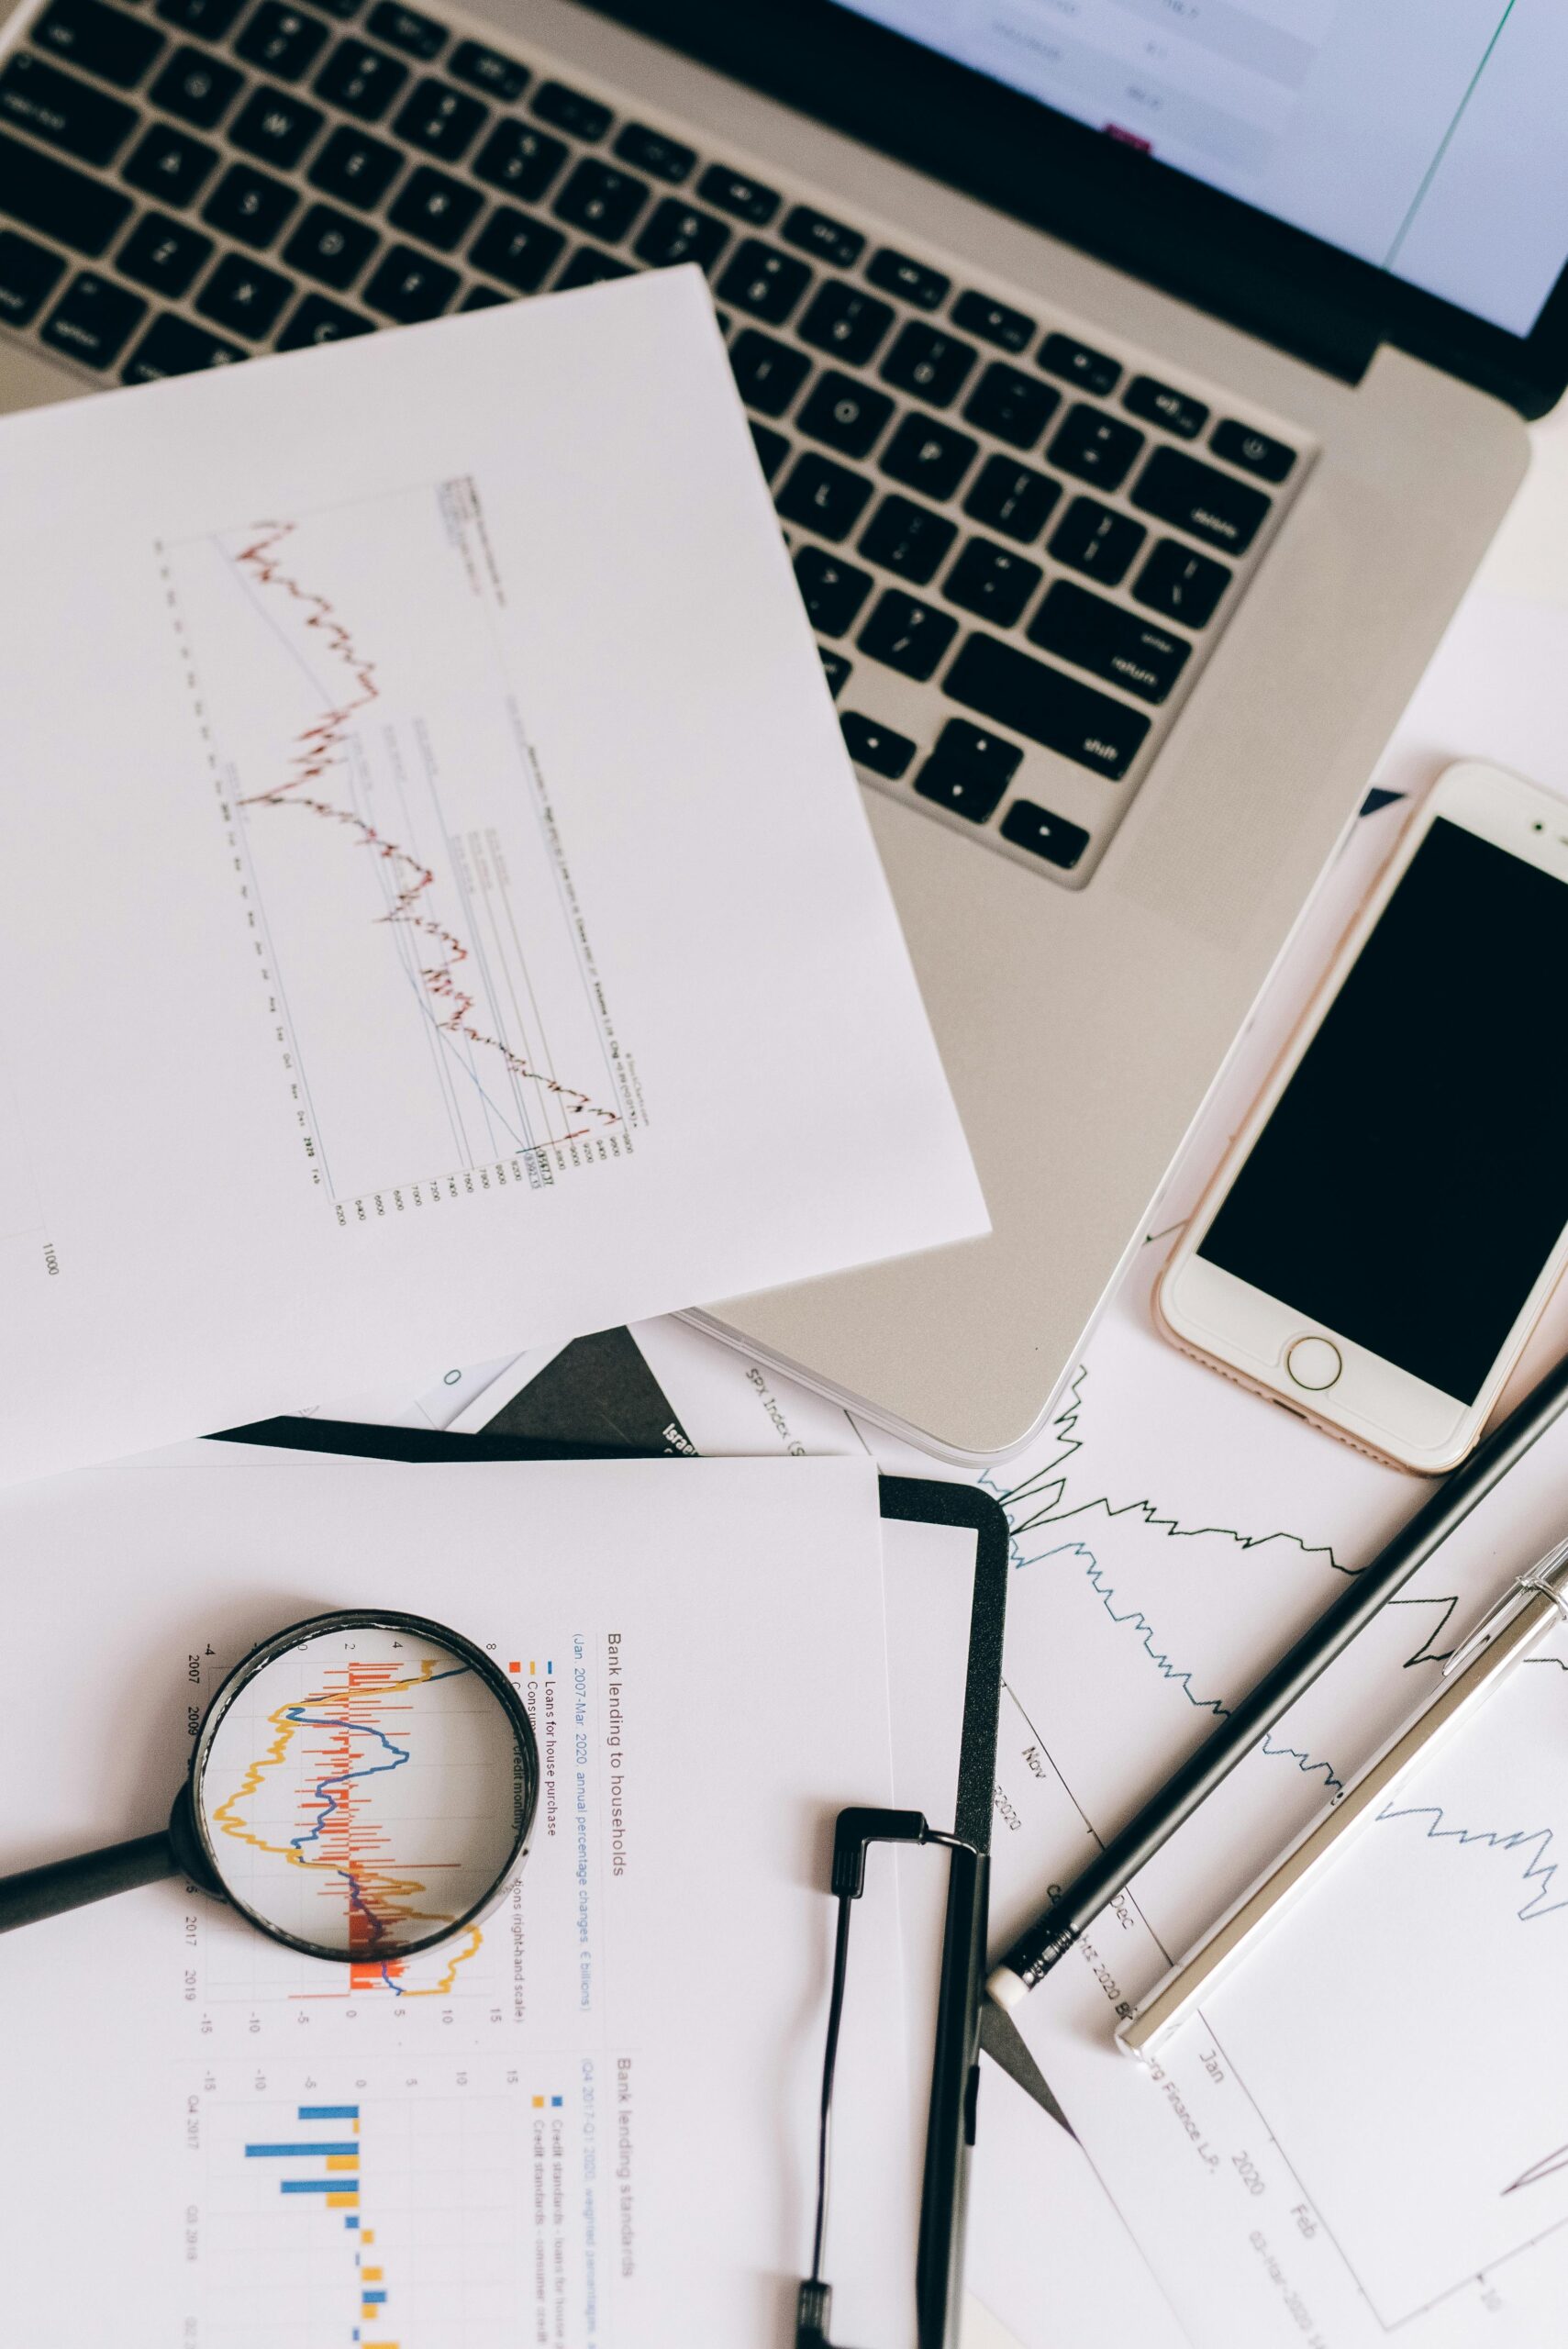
x: 1030, y: 698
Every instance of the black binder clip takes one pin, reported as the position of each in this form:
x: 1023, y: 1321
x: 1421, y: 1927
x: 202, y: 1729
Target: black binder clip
x: 949, y: 2129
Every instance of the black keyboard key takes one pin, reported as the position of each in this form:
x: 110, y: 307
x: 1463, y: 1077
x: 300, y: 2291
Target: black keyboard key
x: 876, y: 747
x: 65, y: 113
x: 520, y: 252
x: 29, y: 275
x: 99, y: 39
x: 962, y: 790
x: 994, y: 321
x: 163, y: 254
x: 771, y: 447
x: 928, y: 362
x: 57, y: 200
x: 485, y: 297
x: 486, y: 68
x: 976, y: 748
x: 1158, y: 403
x: 601, y: 199
x: 1015, y: 408
x: 405, y: 29
x: 1029, y: 697
x: 1253, y: 452
x: 840, y: 319
x: 520, y: 160
x: 655, y: 152
x: 907, y: 635
x: 361, y: 80
x: 174, y: 346
x: 813, y: 232
x: 1011, y: 497
x: 835, y: 668
x: 763, y: 281
x: 438, y: 210
x: 410, y: 286
x: 825, y: 497
x: 848, y: 415
x: 1060, y: 355
x: 94, y: 320
x: 168, y: 163
x: 1043, y: 834
x: 440, y: 120
x: 275, y: 127
x: 991, y: 582
x: 330, y: 246
x: 1184, y: 585
x: 930, y: 456
x: 831, y: 591
x: 1108, y: 642
x: 675, y: 232
x: 907, y: 538
x: 282, y: 41
x: 244, y: 295
x: 569, y: 110
x: 248, y: 204
x: 969, y: 770
x: 208, y: 20
x: 589, y: 266
x: 1093, y: 539
x: 767, y: 373
x: 198, y: 88
x: 734, y: 192
x: 1194, y: 497
x: 1094, y: 446
x: 355, y: 168
x: 912, y: 281
x: 317, y: 320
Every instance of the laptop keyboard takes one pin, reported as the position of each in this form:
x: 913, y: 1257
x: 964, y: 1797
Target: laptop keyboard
x: 1017, y: 545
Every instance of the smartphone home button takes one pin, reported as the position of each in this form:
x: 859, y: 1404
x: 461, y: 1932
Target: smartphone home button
x: 1314, y: 1362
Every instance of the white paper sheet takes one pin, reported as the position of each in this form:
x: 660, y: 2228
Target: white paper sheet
x: 437, y: 913
x: 152, y: 2039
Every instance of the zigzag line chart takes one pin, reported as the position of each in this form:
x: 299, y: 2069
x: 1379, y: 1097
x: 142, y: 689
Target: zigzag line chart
x: 429, y: 968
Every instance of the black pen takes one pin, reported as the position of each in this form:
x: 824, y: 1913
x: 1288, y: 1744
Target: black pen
x: 1052, y: 1933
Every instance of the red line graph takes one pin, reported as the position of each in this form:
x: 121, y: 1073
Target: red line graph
x: 319, y: 752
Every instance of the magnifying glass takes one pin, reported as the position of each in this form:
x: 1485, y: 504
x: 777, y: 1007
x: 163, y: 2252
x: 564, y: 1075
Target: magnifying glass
x: 362, y: 1788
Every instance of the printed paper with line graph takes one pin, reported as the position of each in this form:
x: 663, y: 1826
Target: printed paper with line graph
x: 440, y: 918
x: 1360, y: 2136
x: 425, y: 955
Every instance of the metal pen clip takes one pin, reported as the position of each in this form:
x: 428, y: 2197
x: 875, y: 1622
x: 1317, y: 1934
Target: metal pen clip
x: 1539, y: 1583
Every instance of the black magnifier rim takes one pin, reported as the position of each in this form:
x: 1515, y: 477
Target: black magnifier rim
x: 383, y: 1619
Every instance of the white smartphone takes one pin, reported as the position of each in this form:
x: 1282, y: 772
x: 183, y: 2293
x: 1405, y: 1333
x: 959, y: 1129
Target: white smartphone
x: 1389, y: 1222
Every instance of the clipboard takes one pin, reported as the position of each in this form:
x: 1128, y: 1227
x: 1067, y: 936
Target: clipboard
x: 955, y: 2054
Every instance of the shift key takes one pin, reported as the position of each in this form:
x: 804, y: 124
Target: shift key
x: 57, y: 201
x: 1030, y: 698
x: 56, y: 107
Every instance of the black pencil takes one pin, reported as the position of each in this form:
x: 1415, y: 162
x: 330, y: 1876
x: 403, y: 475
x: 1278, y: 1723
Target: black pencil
x: 1052, y: 1933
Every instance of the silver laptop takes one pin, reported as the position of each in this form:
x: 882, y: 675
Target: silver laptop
x: 1139, y: 384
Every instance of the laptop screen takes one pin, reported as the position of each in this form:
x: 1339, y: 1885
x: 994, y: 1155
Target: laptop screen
x: 1424, y: 136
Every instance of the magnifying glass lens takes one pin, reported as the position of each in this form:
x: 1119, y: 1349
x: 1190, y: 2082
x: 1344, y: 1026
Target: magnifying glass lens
x: 364, y: 1789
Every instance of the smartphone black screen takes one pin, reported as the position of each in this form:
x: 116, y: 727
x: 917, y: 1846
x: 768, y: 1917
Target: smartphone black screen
x: 1413, y: 1178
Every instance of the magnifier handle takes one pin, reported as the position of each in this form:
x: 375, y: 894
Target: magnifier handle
x: 91, y: 1875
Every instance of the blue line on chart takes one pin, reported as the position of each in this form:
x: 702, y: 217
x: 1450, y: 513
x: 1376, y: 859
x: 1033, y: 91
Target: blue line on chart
x: 1539, y: 1871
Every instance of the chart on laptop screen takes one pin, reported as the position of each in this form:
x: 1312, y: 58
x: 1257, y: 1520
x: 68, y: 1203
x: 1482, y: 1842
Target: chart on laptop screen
x: 424, y: 961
